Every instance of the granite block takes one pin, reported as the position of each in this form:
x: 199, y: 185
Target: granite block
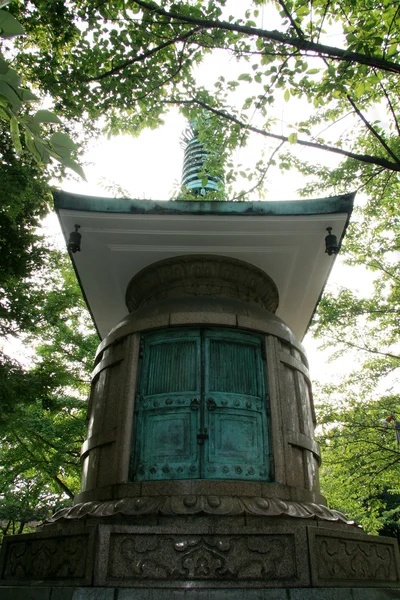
x: 226, y: 488
x: 321, y: 594
x: 24, y: 593
x: 92, y: 594
x: 275, y: 490
x: 129, y: 557
x: 376, y: 594
x: 341, y: 558
x: 62, y: 593
x: 53, y: 556
x: 181, y: 487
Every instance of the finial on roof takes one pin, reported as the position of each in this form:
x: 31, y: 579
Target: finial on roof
x: 194, y: 176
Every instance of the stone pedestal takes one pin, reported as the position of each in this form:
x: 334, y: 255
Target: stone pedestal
x: 207, y: 552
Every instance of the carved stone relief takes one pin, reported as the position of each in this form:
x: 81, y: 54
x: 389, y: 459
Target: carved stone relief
x: 205, y: 557
x: 340, y: 559
x: 46, y: 558
x: 190, y: 505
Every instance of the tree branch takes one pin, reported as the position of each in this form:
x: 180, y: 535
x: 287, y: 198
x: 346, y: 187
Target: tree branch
x: 60, y: 483
x: 141, y: 57
x: 372, y: 130
x: 382, y: 268
x: 263, y: 175
x: 366, y: 158
x: 64, y: 487
x: 366, y: 349
x: 292, y: 21
x: 56, y: 448
x: 390, y: 106
x: 276, y: 36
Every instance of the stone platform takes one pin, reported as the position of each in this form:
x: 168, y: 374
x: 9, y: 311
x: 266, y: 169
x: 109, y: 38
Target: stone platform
x: 164, y: 556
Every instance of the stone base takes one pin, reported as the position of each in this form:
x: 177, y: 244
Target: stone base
x: 102, y: 593
x: 202, y: 552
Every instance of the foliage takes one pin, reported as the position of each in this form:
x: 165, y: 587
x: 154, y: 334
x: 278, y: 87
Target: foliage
x: 361, y: 471
x: 127, y: 62
x: 15, y: 102
x: 25, y: 200
x: 361, y: 468
x: 42, y: 407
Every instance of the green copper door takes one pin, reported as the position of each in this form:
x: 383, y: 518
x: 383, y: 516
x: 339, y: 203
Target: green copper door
x: 201, y: 408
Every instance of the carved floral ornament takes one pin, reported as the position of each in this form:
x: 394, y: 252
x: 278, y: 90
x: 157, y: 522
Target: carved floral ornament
x: 202, y: 275
x: 191, y: 505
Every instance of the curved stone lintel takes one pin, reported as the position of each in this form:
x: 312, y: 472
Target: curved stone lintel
x: 194, y: 505
x: 204, y: 275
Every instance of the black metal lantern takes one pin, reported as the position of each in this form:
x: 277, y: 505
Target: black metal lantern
x: 331, y: 243
x: 74, y: 242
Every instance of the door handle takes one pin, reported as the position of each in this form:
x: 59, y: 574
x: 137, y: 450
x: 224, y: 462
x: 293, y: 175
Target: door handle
x: 211, y: 404
x: 201, y: 436
x: 195, y: 404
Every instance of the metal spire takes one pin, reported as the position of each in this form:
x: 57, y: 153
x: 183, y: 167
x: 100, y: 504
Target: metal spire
x: 193, y: 163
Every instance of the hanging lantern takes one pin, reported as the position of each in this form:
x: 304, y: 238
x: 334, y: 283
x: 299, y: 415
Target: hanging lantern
x: 74, y: 242
x: 331, y: 243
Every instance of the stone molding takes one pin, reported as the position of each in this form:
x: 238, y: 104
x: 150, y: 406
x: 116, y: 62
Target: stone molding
x: 194, y: 505
x: 202, y: 275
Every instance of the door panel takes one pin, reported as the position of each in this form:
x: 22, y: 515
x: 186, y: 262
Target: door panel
x: 201, y: 408
x: 235, y: 410
x: 168, y: 407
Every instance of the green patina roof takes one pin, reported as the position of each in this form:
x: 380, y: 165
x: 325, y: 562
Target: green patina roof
x: 320, y: 206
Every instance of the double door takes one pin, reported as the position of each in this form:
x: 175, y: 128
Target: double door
x: 201, y: 407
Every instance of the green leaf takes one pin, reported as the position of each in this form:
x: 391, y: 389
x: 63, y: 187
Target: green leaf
x: 8, y: 92
x: 245, y: 77
x: 62, y: 140
x: 43, y: 151
x: 46, y: 116
x: 9, y: 26
x: 204, y: 181
x: 30, y: 144
x: 72, y: 164
x: 4, y: 66
x: 312, y: 71
x: 14, y: 130
x: 292, y: 139
x: 392, y: 49
x: 28, y: 96
x: 360, y: 89
x: 3, y: 101
x: 302, y: 11
x: 287, y: 95
x: 12, y: 78
x: 3, y: 114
